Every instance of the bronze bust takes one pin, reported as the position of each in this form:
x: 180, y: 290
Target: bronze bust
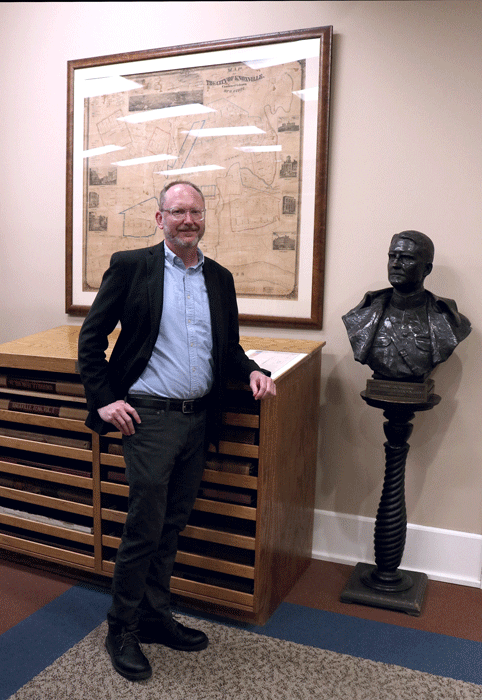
x: 404, y: 331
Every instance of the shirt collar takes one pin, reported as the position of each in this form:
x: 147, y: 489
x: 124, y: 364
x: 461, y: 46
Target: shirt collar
x: 176, y: 261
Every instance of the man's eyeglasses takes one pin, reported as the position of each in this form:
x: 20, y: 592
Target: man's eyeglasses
x: 179, y: 214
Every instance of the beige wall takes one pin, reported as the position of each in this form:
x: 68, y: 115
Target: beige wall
x: 406, y: 152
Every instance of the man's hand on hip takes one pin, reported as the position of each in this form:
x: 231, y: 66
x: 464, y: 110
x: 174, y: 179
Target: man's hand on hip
x: 120, y: 414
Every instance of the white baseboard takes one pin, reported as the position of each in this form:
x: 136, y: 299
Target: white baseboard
x: 444, y: 555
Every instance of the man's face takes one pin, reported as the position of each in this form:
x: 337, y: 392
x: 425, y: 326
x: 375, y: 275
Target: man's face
x: 407, y: 268
x: 185, y: 233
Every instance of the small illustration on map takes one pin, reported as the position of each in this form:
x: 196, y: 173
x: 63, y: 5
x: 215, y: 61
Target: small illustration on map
x: 289, y: 126
x: 283, y: 241
x: 289, y: 168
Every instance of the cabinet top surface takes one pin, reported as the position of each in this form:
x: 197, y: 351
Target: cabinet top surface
x: 52, y: 350
x: 56, y: 349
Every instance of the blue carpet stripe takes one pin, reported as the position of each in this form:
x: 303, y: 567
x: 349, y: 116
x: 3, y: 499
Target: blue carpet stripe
x: 36, y: 642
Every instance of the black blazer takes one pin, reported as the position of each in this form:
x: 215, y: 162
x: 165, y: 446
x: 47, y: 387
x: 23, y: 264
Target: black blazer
x: 132, y: 293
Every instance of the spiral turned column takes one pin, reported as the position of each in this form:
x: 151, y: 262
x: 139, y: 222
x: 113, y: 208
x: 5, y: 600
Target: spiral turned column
x: 384, y: 585
x: 391, y: 520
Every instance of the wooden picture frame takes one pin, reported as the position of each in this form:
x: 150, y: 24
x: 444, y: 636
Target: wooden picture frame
x: 246, y: 120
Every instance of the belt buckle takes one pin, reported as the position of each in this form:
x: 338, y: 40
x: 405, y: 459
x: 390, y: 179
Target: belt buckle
x: 188, y: 406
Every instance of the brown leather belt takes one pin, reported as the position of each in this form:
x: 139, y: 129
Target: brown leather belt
x: 162, y: 404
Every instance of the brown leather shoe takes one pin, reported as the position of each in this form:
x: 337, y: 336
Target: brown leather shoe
x: 126, y: 655
x: 171, y: 634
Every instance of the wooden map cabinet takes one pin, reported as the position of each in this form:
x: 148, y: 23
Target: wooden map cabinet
x: 63, y: 491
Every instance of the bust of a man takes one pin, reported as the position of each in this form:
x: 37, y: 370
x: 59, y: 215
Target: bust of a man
x: 404, y: 331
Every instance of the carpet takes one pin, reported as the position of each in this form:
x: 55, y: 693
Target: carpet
x: 237, y: 665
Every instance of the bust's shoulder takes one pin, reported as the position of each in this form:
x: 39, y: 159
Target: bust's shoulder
x: 446, y: 310
x: 441, y: 304
x: 368, y: 312
x: 373, y: 300
x: 376, y: 297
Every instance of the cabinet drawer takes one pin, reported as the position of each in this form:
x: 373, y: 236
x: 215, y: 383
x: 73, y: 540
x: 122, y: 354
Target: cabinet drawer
x: 82, y: 482
x: 46, y: 501
x: 237, y: 449
x: 76, y: 426
x: 211, y: 564
x: 244, y: 420
x: 212, y: 594
x: 229, y: 509
x: 46, y: 448
x: 43, y: 551
x: 46, y: 529
x: 202, y: 533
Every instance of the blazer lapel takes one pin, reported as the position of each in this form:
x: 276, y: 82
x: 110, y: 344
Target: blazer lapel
x: 155, y: 285
x: 215, y: 308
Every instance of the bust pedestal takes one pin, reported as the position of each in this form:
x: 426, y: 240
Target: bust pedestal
x: 384, y: 585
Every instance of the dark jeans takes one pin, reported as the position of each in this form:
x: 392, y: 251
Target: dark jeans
x: 165, y: 460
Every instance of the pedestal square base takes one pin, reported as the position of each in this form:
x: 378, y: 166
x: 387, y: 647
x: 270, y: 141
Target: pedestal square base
x: 409, y: 602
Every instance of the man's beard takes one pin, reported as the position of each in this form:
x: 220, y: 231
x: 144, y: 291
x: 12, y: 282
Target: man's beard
x: 183, y: 242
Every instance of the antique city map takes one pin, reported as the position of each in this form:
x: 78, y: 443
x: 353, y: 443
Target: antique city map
x: 253, y: 195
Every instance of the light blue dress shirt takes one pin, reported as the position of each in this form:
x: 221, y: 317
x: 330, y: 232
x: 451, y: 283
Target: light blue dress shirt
x: 181, y: 364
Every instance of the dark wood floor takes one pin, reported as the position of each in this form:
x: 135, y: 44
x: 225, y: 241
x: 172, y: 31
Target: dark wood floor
x: 24, y: 590
x: 447, y: 609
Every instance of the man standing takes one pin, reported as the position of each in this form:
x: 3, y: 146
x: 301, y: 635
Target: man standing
x: 162, y: 389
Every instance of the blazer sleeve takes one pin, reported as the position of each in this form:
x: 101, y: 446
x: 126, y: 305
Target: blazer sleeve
x: 101, y: 320
x: 235, y: 364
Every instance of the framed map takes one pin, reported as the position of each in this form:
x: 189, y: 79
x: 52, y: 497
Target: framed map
x: 247, y: 121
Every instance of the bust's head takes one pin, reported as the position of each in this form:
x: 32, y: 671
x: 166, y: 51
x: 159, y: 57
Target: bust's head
x: 410, y: 260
